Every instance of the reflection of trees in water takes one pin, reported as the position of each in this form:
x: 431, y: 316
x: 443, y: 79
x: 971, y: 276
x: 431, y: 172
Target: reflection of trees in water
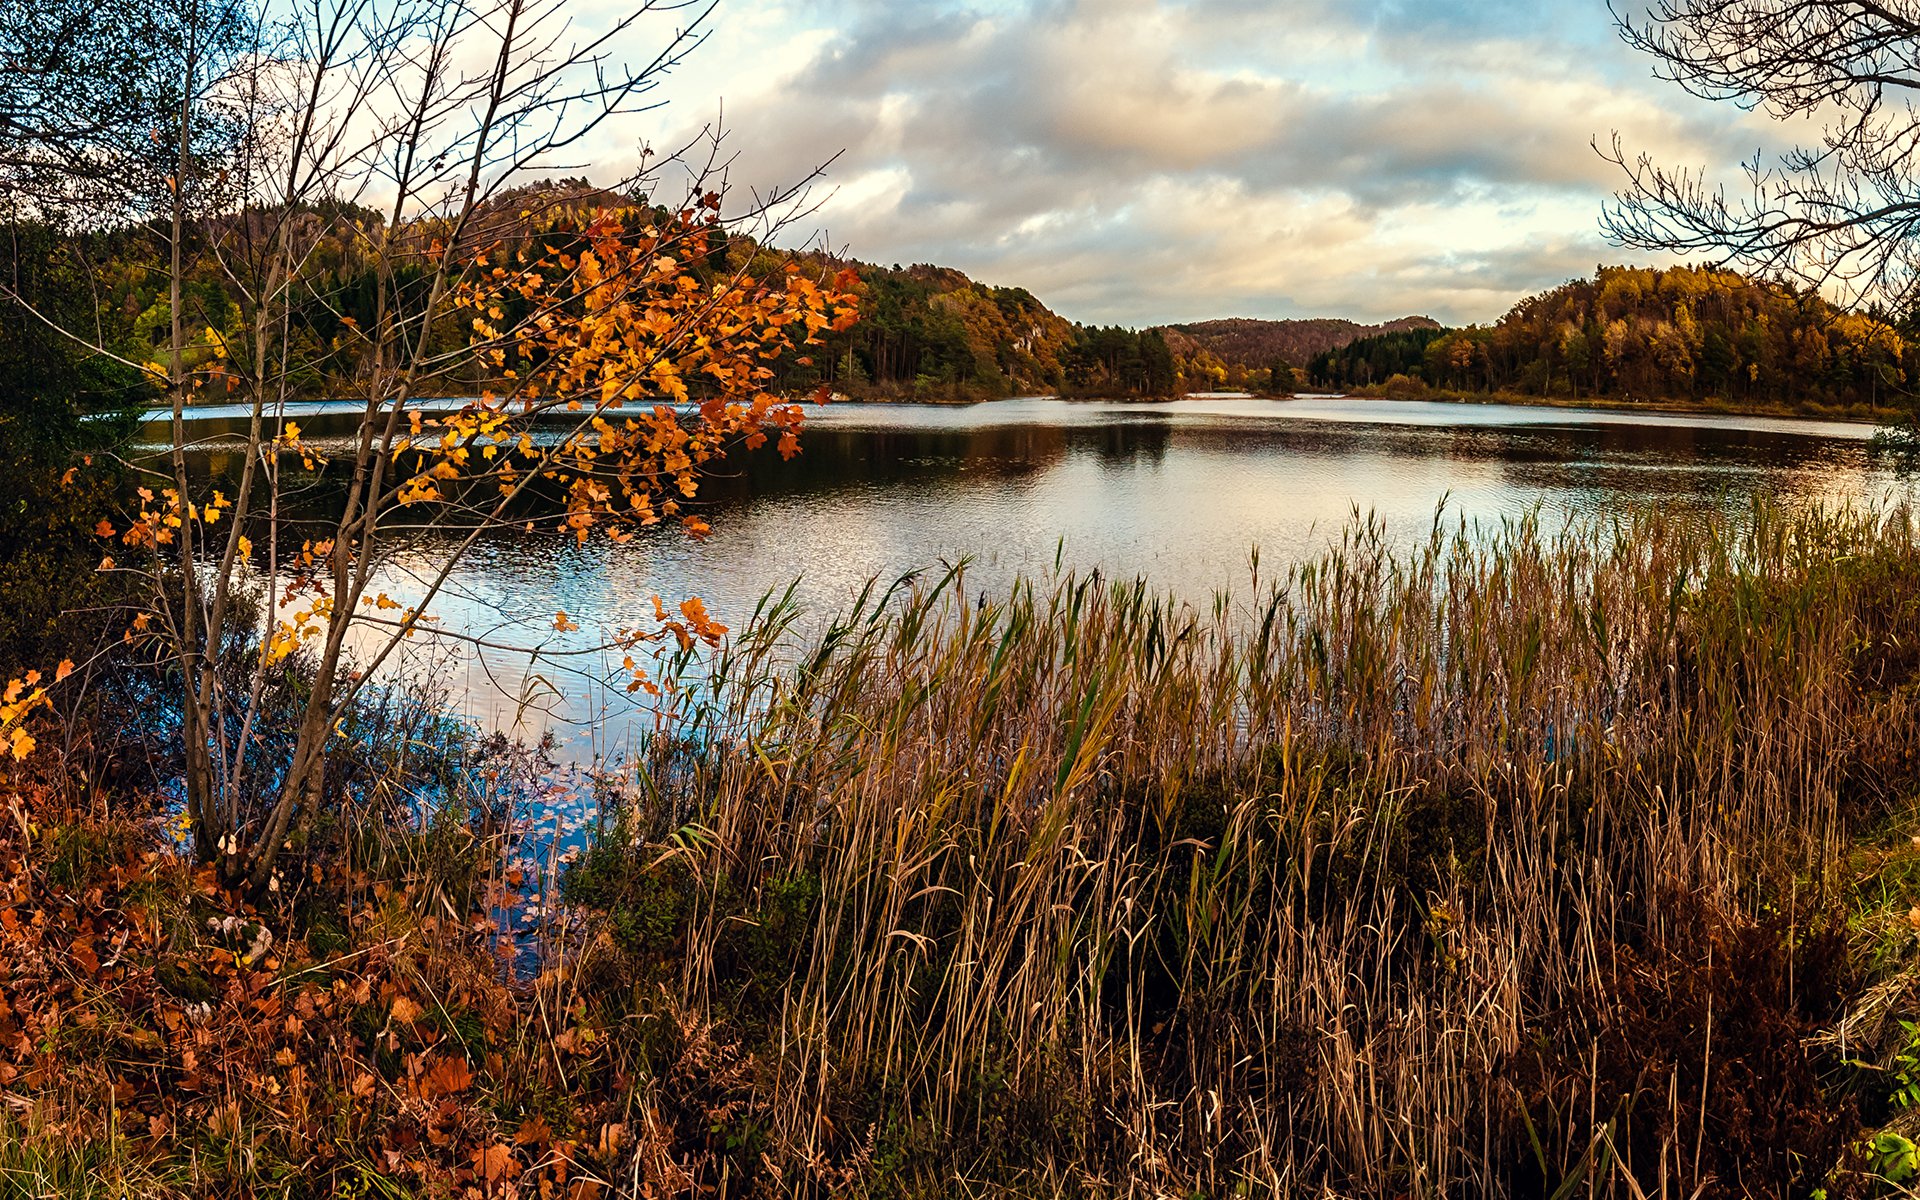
x: 1583, y: 468
x: 1702, y: 472
x: 1126, y: 441
x: 839, y: 459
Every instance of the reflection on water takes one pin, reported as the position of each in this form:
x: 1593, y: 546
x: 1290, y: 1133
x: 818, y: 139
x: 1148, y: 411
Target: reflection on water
x: 1178, y: 492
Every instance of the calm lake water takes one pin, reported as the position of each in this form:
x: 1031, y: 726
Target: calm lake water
x: 1177, y: 492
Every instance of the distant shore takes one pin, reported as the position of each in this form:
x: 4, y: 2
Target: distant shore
x: 1861, y: 414
x: 1808, y: 411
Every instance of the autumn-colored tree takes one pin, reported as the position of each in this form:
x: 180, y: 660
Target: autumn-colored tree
x: 621, y: 352
x: 1635, y: 332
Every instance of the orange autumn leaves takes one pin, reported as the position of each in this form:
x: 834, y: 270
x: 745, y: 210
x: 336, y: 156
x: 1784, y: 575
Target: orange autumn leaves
x: 626, y: 360
x: 405, y: 1056
x: 665, y: 357
x: 18, y: 701
x: 153, y: 527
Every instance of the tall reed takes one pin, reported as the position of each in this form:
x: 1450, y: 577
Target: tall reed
x: 1494, y: 866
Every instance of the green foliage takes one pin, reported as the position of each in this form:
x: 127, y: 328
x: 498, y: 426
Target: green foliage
x: 1901, y: 440
x: 1893, y: 1158
x: 1113, y: 361
x: 931, y: 333
x: 1903, y: 1074
x: 1374, y: 359
x: 59, y: 408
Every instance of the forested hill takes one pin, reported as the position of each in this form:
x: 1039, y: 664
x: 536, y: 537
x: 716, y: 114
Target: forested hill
x: 933, y: 333
x: 1689, y: 334
x: 925, y: 332
x: 1239, y: 345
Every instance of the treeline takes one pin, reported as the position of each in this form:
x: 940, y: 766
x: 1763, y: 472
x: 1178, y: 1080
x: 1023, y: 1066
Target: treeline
x: 1259, y: 355
x: 1375, y: 360
x: 1686, y: 333
x: 104, y: 281
x: 926, y: 332
x: 931, y: 333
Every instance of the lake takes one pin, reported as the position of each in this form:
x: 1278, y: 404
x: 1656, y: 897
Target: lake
x: 1179, y: 492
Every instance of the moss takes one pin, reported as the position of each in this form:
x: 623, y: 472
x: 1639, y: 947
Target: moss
x: 80, y: 853
x: 327, y: 936
x: 186, y: 981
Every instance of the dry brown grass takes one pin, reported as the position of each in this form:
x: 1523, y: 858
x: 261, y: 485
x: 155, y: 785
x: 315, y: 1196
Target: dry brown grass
x: 1516, y: 864
x: 1422, y: 875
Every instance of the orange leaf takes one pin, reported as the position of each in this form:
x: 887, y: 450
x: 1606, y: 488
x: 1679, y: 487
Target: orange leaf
x: 447, y: 1077
x: 534, y: 1131
x: 492, y: 1162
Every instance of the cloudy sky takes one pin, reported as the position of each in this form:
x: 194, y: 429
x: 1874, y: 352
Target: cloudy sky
x: 1147, y: 161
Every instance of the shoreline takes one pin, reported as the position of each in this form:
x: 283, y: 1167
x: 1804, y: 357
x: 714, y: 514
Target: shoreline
x: 1805, y: 412
x: 1881, y: 416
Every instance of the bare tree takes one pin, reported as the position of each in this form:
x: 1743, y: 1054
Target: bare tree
x: 618, y: 351
x: 1840, y: 213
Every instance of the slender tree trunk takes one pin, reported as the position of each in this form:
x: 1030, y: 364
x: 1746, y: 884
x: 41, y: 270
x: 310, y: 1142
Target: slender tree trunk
x: 202, y: 808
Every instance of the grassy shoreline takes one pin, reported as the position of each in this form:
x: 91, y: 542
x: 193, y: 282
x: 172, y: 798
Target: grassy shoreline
x: 1583, y: 859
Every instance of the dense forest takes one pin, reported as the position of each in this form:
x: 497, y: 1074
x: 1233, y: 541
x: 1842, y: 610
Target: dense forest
x: 1684, y: 334
x: 931, y: 332
x: 1265, y: 355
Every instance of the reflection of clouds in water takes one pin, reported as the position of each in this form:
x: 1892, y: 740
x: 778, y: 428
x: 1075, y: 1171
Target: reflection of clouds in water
x: 1177, y: 492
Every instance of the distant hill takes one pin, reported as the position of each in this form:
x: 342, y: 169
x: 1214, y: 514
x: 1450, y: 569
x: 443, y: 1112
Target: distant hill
x: 931, y: 332
x: 1245, y: 342
x: 1685, y: 334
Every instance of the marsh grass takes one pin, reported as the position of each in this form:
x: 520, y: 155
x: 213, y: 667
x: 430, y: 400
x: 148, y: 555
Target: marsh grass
x: 1511, y: 864
x: 1566, y: 862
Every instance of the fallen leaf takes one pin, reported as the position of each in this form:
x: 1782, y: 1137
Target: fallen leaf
x: 447, y: 1077
x: 491, y: 1163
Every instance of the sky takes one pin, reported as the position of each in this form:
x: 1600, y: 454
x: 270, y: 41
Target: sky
x: 1159, y: 161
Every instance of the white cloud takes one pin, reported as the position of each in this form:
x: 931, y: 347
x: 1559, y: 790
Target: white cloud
x: 1153, y: 160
